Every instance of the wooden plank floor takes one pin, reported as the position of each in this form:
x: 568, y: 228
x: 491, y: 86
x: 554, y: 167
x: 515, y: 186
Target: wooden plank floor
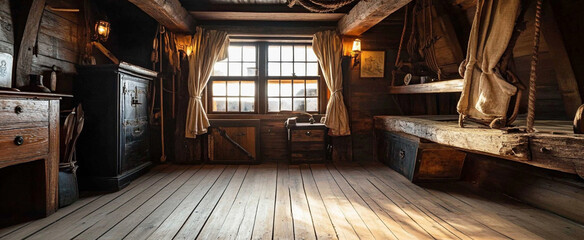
x: 365, y: 201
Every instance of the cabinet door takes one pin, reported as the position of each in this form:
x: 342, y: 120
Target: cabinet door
x: 135, y: 140
x: 233, y: 144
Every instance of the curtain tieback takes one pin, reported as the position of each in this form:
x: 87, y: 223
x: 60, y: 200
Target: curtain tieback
x: 196, y: 97
x: 336, y: 91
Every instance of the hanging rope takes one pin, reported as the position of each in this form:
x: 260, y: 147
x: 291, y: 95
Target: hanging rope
x: 533, y: 74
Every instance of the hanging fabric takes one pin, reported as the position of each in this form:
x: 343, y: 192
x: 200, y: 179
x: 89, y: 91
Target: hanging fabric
x: 328, y: 48
x: 486, y: 93
x: 208, y: 47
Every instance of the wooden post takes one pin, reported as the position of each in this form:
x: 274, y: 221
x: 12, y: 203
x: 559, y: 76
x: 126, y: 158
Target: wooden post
x: 26, y: 50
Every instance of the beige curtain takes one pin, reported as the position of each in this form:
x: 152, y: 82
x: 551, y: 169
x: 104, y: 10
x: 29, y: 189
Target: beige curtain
x: 486, y: 94
x: 328, y: 48
x: 208, y: 47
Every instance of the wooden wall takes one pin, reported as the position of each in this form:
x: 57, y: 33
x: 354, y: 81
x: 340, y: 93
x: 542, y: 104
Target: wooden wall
x: 368, y: 97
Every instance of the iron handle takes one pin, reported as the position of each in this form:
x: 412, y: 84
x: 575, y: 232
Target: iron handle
x: 402, y: 154
x: 18, y: 140
x: 18, y: 110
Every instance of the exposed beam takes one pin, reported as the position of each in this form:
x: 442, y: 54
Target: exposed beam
x: 169, y: 13
x: 265, y: 16
x: 366, y: 14
x: 266, y: 29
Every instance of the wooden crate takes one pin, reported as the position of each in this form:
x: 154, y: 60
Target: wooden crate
x: 420, y: 160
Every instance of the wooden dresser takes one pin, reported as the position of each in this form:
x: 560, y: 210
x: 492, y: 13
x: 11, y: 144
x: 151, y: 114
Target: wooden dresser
x: 29, y: 155
x: 307, y: 143
x: 114, y: 147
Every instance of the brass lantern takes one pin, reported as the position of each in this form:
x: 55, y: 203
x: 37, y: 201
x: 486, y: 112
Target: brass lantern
x: 102, y: 30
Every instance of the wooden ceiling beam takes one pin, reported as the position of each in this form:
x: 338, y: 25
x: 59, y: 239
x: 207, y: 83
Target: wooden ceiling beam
x: 169, y: 13
x: 367, y: 14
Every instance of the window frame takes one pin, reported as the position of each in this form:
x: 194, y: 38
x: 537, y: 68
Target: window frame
x: 261, y: 82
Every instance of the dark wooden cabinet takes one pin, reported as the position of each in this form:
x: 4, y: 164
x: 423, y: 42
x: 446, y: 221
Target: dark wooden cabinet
x: 114, y: 147
x: 420, y: 160
x: 307, y: 143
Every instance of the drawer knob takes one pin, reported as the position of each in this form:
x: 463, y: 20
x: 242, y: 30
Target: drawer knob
x: 18, y: 140
x: 308, y: 133
x: 18, y: 110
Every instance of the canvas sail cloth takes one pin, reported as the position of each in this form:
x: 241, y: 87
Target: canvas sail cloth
x: 208, y: 47
x: 486, y: 94
x: 328, y: 48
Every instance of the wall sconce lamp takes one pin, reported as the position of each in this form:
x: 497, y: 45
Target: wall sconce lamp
x: 102, y: 30
x: 356, y: 51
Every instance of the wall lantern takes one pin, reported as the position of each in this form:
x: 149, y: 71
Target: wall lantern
x: 356, y: 51
x: 102, y: 30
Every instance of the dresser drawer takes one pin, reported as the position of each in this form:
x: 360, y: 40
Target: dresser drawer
x: 18, y: 111
x: 24, y: 143
x: 302, y: 135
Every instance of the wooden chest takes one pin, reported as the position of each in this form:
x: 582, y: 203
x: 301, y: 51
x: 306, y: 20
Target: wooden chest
x: 114, y: 147
x: 29, y: 155
x: 307, y: 143
x: 419, y: 160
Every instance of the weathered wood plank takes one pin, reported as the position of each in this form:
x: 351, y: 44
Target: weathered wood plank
x: 484, y: 140
x: 448, y: 86
x: 367, y: 14
x: 169, y: 13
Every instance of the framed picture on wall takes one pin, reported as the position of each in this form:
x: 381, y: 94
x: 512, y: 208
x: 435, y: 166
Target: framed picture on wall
x: 372, y: 64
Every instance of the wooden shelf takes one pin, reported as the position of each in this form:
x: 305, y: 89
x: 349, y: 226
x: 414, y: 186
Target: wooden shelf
x: 447, y: 86
x: 553, y: 146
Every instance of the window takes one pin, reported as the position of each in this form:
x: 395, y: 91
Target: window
x: 287, y: 72
x: 292, y: 78
x: 233, y: 88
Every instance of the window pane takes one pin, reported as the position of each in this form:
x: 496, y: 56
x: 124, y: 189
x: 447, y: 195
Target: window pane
x: 273, y: 88
x: 249, y: 53
x: 233, y: 104
x: 310, y: 56
x: 219, y: 104
x: 249, y: 69
x: 299, y: 104
x: 274, y: 69
x: 247, y: 104
x: 298, y: 87
x: 312, y: 69
x: 234, y: 69
x: 300, y: 69
x: 219, y: 88
x: 312, y: 104
x: 287, y: 53
x: 274, y: 53
x: 220, y: 68
x: 273, y: 104
x: 247, y: 88
x: 286, y: 69
x: 312, y: 88
x: 233, y: 88
x: 286, y: 104
x: 234, y: 53
x: 299, y: 53
x: 286, y: 88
